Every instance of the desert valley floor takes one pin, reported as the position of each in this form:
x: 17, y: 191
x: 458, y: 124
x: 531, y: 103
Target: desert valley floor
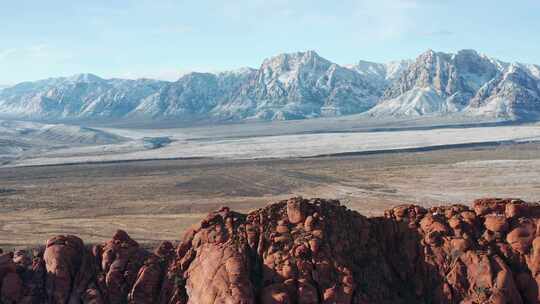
x: 156, y: 199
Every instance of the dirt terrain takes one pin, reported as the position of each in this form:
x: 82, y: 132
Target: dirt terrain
x: 154, y: 200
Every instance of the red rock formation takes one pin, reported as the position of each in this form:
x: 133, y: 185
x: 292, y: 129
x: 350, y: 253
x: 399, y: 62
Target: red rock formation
x: 300, y: 251
x: 11, y: 283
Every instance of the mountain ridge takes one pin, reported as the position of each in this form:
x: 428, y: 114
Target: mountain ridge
x: 465, y: 82
x: 295, y: 86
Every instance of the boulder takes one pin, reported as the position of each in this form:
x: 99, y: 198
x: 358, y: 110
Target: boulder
x: 496, y: 223
x: 299, y: 251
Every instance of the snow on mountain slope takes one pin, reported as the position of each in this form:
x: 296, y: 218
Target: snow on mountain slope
x: 532, y: 69
x: 415, y: 102
x: 21, y: 138
x: 194, y: 95
x: 288, y: 86
x: 466, y: 83
x: 83, y: 95
x: 286, y: 146
x: 294, y: 86
x: 121, y: 98
x: 301, y: 85
x: 394, y: 69
x: 56, y: 133
x: 514, y: 94
x: 381, y: 74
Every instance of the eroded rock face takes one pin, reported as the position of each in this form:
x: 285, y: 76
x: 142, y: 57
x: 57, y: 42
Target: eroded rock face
x: 300, y: 251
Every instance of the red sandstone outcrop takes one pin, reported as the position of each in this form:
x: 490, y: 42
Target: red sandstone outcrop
x: 300, y: 251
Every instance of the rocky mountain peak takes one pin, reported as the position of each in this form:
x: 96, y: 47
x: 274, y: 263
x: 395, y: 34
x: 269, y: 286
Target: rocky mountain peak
x: 295, y: 86
x: 302, y: 85
x: 440, y: 83
x: 467, y: 53
x: 196, y: 78
x: 85, y: 78
x: 430, y: 57
x: 370, y: 69
x: 381, y: 74
x: 238, y: 72
x: 288, y: 62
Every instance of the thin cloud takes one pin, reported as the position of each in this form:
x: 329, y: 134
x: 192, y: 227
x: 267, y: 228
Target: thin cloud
x: 386, y: 19
x: 175, y: 29
x: 4, y: 54
x: 40, y: 50
x: 393, y: 19
x: 33, y: 51
x: 35, y: 55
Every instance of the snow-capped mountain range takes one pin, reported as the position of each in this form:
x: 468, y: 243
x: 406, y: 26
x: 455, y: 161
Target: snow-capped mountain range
x: 466, y: 83
x: 295, y: 86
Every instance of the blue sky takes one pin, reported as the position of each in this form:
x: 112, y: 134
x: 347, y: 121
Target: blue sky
x: 163, y: 39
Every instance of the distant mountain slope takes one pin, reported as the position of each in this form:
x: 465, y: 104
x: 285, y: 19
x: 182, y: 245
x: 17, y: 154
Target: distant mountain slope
x: 465, y: 82
x: 381, y: 74
x: 295, y: 86
x: 83, y: 95
x: 515, y: 93
x: 21, y: 137
x: 56, y: 133
x: 301, y: 85
x: 195, y: 94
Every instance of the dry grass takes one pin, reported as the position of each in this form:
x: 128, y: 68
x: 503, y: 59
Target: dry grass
x: 157, y: 200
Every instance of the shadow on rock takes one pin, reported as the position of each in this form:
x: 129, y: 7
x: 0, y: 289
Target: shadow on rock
x: 300, y: 251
